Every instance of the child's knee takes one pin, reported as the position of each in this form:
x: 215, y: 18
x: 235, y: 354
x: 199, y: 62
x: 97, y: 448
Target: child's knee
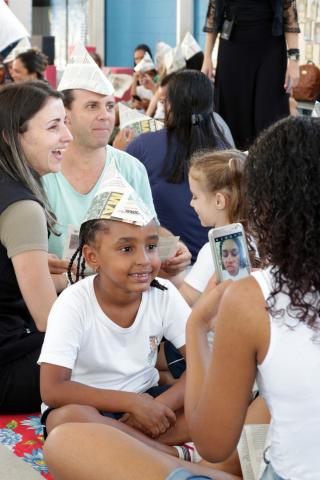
x: 70, y: 413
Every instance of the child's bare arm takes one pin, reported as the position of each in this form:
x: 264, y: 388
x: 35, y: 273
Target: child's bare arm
x: 174, y: 396
x: 57, y: 390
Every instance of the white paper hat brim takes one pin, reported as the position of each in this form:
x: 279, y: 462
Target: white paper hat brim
x: 11, y: 28
x: 21, y: 47
x: 145, y: 65
x: 189, y: 46
x: 85, y: 77
x: 117, y: 200
x: 174, y: 61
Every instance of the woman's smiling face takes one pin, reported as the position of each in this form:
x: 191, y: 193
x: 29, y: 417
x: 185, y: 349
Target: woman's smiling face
x: 46, y: 137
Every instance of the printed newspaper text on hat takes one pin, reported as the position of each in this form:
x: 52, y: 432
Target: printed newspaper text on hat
x: 117, y: 200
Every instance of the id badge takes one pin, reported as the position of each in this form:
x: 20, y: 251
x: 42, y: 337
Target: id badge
x: 226, y: 31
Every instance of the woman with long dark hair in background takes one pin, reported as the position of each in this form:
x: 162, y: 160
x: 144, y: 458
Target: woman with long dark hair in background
x: 190, y: 125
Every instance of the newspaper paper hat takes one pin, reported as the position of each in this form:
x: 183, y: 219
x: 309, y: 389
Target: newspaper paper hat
x: 21, y: 47
x: 129, y: 116
x: 161, y: 49
x: 145, y: 65
x: 174, y: 60
x: 11, y: 29
x: 117, y: 200
x: 83, y: 73
x: 189, y: 46
x: 121, y: 83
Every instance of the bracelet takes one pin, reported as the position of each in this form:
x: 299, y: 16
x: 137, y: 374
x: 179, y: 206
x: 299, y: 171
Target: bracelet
x: 293, y: 54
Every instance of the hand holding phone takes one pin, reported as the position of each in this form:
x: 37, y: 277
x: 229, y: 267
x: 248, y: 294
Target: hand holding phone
x: 230, y: 252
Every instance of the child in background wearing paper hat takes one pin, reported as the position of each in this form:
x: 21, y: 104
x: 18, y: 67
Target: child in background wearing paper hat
x: 145, y: 80
x: 100, y: 350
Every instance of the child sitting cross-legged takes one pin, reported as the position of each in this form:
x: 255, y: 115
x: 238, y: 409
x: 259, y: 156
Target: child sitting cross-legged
x: 100, y: 350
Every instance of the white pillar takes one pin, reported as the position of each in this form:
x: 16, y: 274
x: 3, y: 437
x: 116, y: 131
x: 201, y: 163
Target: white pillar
x: 23, y: 11
x: 96, y: 27
x: 184, y: 19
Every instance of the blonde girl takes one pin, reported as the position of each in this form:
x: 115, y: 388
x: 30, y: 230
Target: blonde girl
x: 215, y: 179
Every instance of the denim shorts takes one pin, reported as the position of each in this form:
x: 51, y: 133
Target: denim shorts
x: 270, y: 474
x: 182, y: 474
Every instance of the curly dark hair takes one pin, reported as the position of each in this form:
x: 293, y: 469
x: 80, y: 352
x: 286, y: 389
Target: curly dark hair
x: 282, y: 177
x: 87, y: 235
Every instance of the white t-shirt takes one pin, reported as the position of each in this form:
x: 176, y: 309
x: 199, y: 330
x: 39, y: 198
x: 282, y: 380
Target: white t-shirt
x: 70, y: 206
x: 288, y: 380
x: 202, y: 270
x: 102, y: 354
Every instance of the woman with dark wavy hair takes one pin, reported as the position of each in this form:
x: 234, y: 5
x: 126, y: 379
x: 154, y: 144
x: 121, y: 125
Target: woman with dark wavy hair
x: 190, y: 125
x: 267, y: 326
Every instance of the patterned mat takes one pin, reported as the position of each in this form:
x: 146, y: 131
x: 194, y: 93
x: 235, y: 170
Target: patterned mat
x: 22, y: 434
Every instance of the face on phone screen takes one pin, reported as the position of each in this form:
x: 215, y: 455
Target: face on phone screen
x: 231, y: 252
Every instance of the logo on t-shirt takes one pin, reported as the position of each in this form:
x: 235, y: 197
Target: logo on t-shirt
x: 153, y: 350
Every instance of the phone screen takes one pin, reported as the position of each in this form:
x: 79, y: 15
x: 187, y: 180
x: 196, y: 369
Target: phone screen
x: 232, y: 254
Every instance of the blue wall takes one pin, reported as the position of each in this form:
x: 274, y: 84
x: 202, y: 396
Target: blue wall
x: 130, y: 22
x: 200, y: 11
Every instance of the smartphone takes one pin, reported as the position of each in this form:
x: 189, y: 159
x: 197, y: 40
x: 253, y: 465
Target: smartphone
x: 230, y: 252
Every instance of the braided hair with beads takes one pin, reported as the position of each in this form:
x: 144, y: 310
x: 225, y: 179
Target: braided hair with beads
x: 87, y: 234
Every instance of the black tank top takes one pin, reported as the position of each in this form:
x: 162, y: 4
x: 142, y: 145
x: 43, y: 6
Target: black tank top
x: 18, y: 332
x: 246, y: 12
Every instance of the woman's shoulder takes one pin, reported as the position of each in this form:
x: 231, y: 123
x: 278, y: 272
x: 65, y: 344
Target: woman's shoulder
x: 149, y: 147
x: 12, y: 191
x: 149, y: 138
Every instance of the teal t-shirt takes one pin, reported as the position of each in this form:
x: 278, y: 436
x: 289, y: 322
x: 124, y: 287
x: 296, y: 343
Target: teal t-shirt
x: 70, y: 206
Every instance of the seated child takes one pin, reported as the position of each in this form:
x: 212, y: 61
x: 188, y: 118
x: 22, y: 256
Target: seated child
x: 100, y: 349
x: 215, y: 180
x: 145, y: 81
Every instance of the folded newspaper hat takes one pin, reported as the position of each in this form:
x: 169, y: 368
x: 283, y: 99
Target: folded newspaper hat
x: 130, y: 117
x: 174, y: 60
x: 121, y: 82
x: 189, y: 46
x: 83, y: 73
x: 161, y: 49
x: 117, y: 200
x: 145, y: 65
x: 21, y: 47
x: 11, y: 29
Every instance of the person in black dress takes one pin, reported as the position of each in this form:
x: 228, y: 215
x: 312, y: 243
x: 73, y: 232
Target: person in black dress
x: 258, y: 62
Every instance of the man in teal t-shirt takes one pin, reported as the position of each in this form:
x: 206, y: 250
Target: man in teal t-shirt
x: 90, y: 116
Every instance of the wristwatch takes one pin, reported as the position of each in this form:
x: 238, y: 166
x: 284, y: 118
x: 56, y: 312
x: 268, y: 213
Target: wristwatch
x: 294, y: 54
